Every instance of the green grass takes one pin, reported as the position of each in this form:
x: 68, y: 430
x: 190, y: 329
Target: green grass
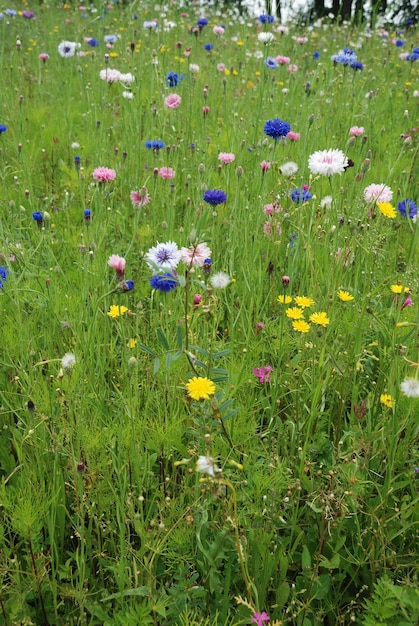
x: 313, y: 516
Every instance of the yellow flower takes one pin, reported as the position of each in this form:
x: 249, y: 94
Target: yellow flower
x: 284, y: 299
x: 303, y: 301
x: 320, y: 318
x: 387, y: 400
x: 345, y: 296
x: 301, y: 326
x: 132, y: 343
x: 200, y: 388
x: 294, y: 313
x: 115, y: 311
x: 399, y: 289
x: 387, y: 209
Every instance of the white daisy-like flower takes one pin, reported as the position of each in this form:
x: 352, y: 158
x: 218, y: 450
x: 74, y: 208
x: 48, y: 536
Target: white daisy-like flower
x: 165, y: 256
x: 327, y: 162
x: 68, y: 361
x: 206, y: 465
x: 67, y: 49
x: 410, y: 387
x: 220, y: 280
x: 266, y: 37
x: 289, y: 168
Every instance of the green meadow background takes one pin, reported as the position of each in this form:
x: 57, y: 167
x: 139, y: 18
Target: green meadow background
x: 104, y: 519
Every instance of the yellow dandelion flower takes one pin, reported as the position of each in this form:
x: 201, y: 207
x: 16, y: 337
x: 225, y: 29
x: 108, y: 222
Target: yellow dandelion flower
x: 301, y: 326
x: 284, y: 299
x: 345, y: 296
x: 200, y: 388
x: 294, y: 313
x: 320, y: 318
x: 132, y: 343
x: 399, y: 289
x: 115, y: 311
x: 303, y: 301
x: 387, y: 209
x: 387, y: 400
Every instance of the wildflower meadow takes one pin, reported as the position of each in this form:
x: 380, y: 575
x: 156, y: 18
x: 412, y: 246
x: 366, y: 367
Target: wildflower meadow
x: 209, y: 297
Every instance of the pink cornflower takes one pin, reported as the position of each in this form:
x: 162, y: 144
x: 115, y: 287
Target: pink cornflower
x: 104, y: 174
x: 140, y: 198
x: 272, y: 208
x: 407, y: 302
x: 292, y: 136
x: 292, y: 68
x: 301, y: 40
x: 110, y: 75
x: 221, y: 67
x: 196, y: 255
x: 283, y: 60
x: 205, y: 110
x: 265, y: 166
x: 44, y: 56
x: 259, y: 618
x: 226, y: 157
x: 263, y: 375
x: 377, y: 193
x: 218, y: 30
x: 167, y: 173
x: 117, y: 263
x: 172, y: 101
x: 356, y: 131
x: 272, y: 228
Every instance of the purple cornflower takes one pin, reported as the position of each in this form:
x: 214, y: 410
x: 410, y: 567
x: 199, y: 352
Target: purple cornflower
x: 263, y: 373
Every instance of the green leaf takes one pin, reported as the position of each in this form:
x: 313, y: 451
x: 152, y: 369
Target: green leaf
x: 332, y: 563
x: 147, y: 349
x: 179, y: 337
x: 156, y: 365
x: 321, y: 586
x: 306, y: 558
x: 162, y: 339
x: 220, y: 354
x: 137, y: 591
x: 282, y: 594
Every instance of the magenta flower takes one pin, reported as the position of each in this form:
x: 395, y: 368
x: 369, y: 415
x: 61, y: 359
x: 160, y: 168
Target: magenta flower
x: 140, y: 198
x: 263, y: 375
x: 265, y: 166
x: 43, y: 56
x: 104, y: 174
x: 117, y: 263
x: 172, y: 101
x: 259, y: 618
x: 292, y: 136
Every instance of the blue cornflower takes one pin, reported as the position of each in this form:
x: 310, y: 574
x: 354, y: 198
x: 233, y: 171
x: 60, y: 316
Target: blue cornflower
x: 164, y: 282
x: 87, y: 214
x: 271, y: 63
x: 3, y: 128
x: 154, y: 144
x: 266, y: 19
x: 214, y: 196
x: 316, y: 55
x: 209, y: 46
x: 414, y: 56
x: 276, y: 128
x: 301, y: 195
x: 408, y: 207
x: 346, y: 57
x: 202, y: 22
x: 10, y: 12
x: 127, y: 285
x: 207, y: 267
x: 172, y: 79
x: 4, y: 272
x: 399, y: 43
x: 38, y: 217
x: 357, y: 65
x: 110, y: 38
x: 93, y: 42
x: 77, y: 161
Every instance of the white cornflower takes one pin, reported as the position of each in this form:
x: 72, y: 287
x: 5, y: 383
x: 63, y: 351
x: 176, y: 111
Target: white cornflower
x: 165, y: 256
x: 326, y: 202
x: 126, y: 78
x: 266, y: 37
x: 220, y: 280
x: 128, y: 95
x: 327, y: 162
x: 67, y: 49
x: 410, y: 387
x: 110, y: 75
